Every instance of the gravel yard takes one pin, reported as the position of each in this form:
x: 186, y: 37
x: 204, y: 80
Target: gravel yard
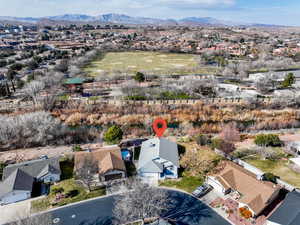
x: 20, y: 155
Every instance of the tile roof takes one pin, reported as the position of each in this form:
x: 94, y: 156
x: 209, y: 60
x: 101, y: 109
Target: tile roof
x: 255, y: 193
x: 106, y: 158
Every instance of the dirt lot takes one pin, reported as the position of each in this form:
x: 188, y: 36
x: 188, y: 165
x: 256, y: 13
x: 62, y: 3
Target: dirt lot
x: 20, y: 155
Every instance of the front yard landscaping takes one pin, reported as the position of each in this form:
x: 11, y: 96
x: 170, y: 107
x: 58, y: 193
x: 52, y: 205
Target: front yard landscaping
x: 66, y: 191
x: 188, y: 184
x: 63, y: 193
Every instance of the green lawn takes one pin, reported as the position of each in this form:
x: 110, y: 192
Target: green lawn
x: 159, y: 63
x: 188, y: 184
x: 279, y: 168
x: 67, y: 185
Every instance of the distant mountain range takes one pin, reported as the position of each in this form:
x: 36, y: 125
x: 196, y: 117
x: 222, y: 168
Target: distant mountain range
x: 125, y: 19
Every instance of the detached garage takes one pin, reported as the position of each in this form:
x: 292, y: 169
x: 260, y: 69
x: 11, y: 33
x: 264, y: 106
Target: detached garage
x: 16, y: 187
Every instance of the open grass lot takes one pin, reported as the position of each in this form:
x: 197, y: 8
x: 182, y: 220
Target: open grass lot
x: 158, y: 63
x: 279, y: 168
x: 76, y: 192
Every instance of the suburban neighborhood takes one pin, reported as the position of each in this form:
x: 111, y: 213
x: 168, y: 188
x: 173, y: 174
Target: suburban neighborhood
x: 162, y: 113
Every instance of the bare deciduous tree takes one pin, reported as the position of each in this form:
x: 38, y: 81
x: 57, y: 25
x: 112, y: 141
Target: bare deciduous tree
x: 266, y: 152
x: 33, y: 90
x: 140, y: 201
x: 195, y: 162
x: 87, y: 170
x: 230, y: 133
x: 32, y: 129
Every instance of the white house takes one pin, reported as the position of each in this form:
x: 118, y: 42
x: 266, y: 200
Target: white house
x: 17, y: 187
x: 250, y: 192
x: 19, y: 179
x: 158, y: 159
x: 228, y: 87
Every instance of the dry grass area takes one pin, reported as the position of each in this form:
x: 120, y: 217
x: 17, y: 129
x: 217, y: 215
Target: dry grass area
x: 26, y: 154
x: 279, y: 168
x: 158, y: 63
x: 188, y: 181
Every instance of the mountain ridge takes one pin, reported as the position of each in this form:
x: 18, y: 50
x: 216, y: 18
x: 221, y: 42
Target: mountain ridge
x: 125, y: 19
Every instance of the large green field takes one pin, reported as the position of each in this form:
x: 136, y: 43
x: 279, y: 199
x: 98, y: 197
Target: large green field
x: 149, y: 62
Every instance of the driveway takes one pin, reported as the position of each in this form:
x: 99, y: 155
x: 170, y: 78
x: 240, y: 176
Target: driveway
x: 186, y: 210
x: 14, y: 211
x: 210, y: 197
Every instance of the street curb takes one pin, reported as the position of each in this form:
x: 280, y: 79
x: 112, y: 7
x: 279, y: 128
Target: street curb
x: 72, y: 204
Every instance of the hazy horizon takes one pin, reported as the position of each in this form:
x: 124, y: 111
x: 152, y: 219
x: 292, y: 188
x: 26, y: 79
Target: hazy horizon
x: 255, y: 11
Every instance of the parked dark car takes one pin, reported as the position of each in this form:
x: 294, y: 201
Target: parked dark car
x: 202, y: 190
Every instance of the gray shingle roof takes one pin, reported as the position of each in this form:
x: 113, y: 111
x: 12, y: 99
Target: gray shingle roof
x: 288, y: 213
x: 152, y: 166
x: 157, y: 148
x: 18, y: 180
x: 35, y: 168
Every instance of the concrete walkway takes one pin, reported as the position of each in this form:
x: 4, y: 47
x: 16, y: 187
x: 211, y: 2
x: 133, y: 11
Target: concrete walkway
x: 11, y: 212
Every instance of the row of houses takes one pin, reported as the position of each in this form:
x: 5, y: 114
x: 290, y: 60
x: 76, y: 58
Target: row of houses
x: 158, y: 160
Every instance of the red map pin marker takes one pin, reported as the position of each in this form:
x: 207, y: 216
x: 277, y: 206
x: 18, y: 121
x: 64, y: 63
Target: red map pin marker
x: 159, y: 126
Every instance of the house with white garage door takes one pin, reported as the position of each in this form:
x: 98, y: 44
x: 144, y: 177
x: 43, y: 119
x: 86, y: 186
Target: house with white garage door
x: 158, y: 159
x: 248, y: 191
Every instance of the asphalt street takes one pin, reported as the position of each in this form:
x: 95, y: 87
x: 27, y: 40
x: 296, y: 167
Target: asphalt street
x: 186, y: 210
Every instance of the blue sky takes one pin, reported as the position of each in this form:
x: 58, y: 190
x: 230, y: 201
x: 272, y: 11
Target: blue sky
x: 285, y: 12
